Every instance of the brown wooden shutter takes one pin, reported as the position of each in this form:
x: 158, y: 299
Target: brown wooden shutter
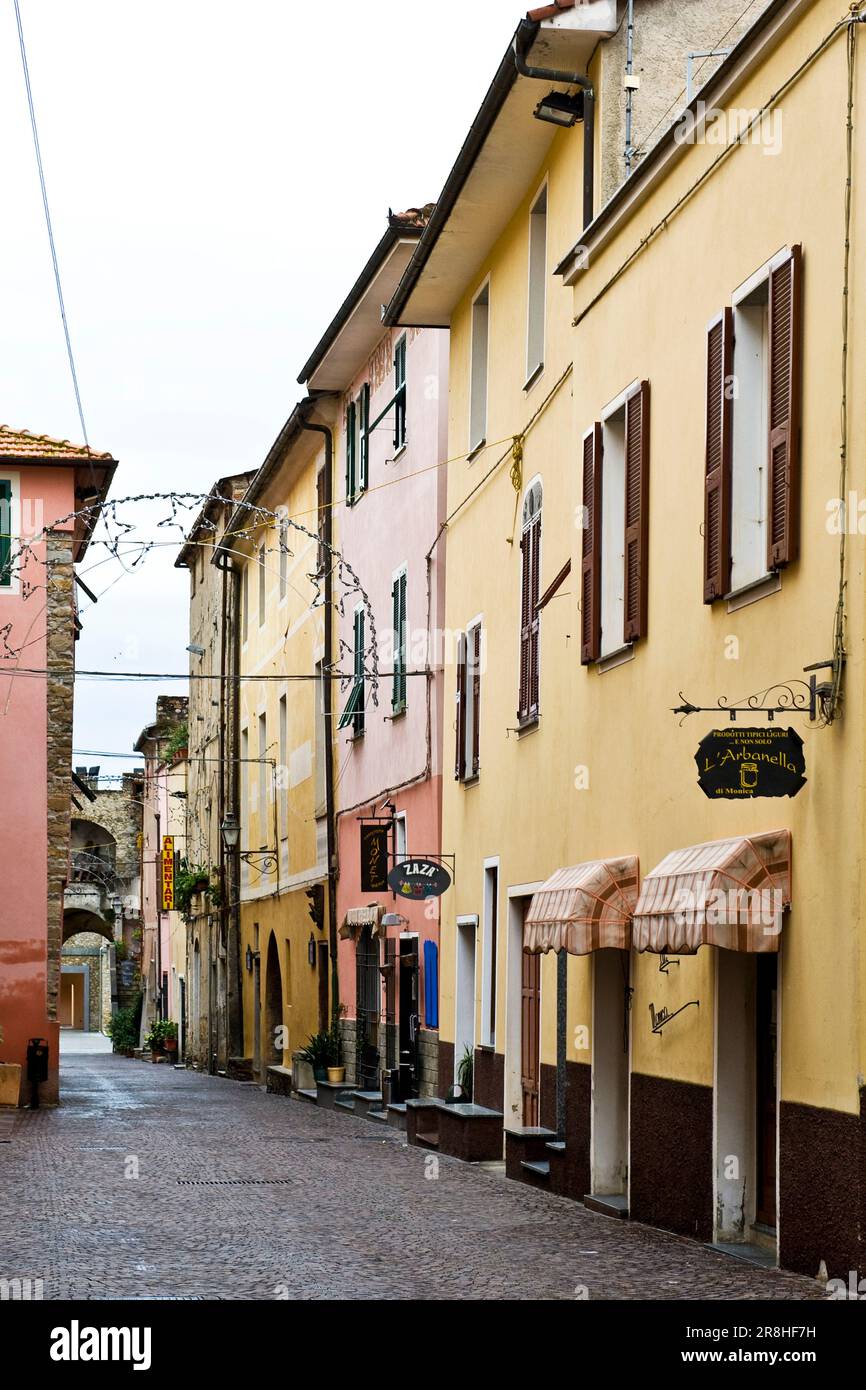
x: 460, y: 753
x: 783, y: 481
x: 590, y: 637
x: 637, y: 423
x: 476, y: 700
x: 717, y: 464
x: 535, y: 623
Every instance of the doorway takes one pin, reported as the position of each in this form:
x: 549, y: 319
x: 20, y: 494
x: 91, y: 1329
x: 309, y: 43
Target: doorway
x: 368, y: 985
x: 745, y: 1097
x: 464, y: 1031
x: 73, y: 997
x: 273, y: 1054
x: 610, y: 1073
x: 530, y: 1036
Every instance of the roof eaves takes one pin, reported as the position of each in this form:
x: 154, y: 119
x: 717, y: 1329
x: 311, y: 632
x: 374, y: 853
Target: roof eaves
x: 494, y: 100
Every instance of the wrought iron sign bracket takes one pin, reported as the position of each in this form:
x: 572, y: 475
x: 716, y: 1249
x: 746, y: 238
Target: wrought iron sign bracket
x: 785, y: 698
x: 666, y: 962
x: 663, y: 1017
x: 265, y: 860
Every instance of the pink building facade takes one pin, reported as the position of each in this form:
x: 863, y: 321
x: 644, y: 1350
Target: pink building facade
x: 390, y: 488
x: 42, y: 483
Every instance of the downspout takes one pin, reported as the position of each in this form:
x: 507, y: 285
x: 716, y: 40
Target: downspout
x: 228, y: 800
x: 629, y: 100
x: 327, y: 698
x: 573, y: 79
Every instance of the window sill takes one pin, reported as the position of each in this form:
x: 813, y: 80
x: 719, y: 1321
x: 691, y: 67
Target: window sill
x: 533, y: 377
x: 752, y: 593
x: 527, y: 726
x: 476, y: 449
x: 614, y: 659
x: 398, y: 453
x: 471, y: 781
x: 396, y: 714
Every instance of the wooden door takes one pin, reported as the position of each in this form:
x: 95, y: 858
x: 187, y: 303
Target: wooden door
x: 765, y: 1074
x: 529, y: 1035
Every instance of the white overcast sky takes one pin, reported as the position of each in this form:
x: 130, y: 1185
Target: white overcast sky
x: 217, y: 174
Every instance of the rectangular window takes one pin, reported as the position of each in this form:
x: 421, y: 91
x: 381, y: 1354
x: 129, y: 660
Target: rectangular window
x: 537, y: 287
x: 613, y: 533
x: 750, y: 415
x: 322, y: 747
x: 478, y: 370
x: 353, y: 713
x: 262, y: 573
x: 283, y: 532
x: 401, y: 837
x: 245, y: 791
x: 530, y: 622
x: 400, y: 394
x: 468, y: 759
x: 490, y: 946
x: 363, y: 416
x: 264, y: 778
x: 245, y: 602
x: 398, y: 687
x: 284, y: 767
x: 321, y: 518
x: 351, y: 452
x: 752, y: 459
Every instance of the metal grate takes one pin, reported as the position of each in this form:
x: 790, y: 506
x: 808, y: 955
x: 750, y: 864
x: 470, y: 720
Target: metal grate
x: 235, y: 1182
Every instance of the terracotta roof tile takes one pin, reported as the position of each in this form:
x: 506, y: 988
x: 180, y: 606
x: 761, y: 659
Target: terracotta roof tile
x: 412, y: 217
x: 21, y: 444
x: 551, y: 11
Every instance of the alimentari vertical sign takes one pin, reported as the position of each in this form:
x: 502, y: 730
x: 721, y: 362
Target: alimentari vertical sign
x: 167, y: 874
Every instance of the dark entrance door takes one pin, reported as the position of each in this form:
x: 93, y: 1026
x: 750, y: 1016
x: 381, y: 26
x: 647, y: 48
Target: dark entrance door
x: 369, y: 995
x: 766, y: 1016
x: 408, y: 1018
x: 529, y: 1035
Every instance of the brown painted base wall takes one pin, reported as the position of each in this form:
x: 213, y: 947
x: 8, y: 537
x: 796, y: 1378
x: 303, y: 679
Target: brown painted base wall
x: 672, y: 1155
x: 488, y: 1078
x: 446, y: 1066
x: 822, y: 1177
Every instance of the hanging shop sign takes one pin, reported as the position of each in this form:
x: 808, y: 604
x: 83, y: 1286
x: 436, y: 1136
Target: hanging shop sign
x: 167, y: 876
x: 735, y: 763
x: 374, y: 858
x: 417, y: 879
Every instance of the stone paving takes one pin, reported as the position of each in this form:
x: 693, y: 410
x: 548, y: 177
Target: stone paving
x: 151, y: 1182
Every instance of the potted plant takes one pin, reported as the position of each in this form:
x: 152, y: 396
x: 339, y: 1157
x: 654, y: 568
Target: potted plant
x: 161, y: 1037
x: 122, y: 1030
x: 336, y: 1068
x: 317, y: 1053
x: 464, y: 1073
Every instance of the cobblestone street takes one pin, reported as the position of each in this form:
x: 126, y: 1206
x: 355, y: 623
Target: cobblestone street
x: 242, y: 1195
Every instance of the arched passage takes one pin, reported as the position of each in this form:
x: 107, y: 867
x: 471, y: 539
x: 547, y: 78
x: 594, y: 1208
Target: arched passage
x: 81, y: 919
x: 271, y: 1052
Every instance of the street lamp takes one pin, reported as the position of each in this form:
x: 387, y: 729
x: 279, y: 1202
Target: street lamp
x: 230, y: 830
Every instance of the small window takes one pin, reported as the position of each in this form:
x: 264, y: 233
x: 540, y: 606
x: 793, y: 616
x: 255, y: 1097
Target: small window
x: 478, y: 377
x: 537, y: 287
x: 283, y: 532
x: 468, y: 724
x: 353, y: 713
x: 613, y: 533
x: 6, y: 533
x: 400, y: 394
x: 245, y: 602
x: 401, y: 837
x: 351, y: 453
x: 358, y: 445
x: 321, y: 517
x: 751, y: 359
x: 530, y: 567
x: 398, y: 599
x: 262, y: 574
x: 263, y: 779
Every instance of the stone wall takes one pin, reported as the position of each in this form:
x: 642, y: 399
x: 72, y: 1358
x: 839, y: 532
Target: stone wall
x: 59, y: 694
x: 665, y: 32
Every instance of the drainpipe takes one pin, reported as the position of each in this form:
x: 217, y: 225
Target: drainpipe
x: 327, y: 695
x: 573, y: 79
x: 629, y: 100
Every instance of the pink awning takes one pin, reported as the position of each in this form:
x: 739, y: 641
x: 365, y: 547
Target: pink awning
x: 584, y: 908
x: 728, y: 893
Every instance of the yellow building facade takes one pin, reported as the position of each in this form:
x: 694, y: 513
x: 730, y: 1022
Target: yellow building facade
x: 647, y: 531
x: 282, y: 750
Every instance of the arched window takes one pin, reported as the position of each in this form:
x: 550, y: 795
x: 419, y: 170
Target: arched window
x: 530, y: 553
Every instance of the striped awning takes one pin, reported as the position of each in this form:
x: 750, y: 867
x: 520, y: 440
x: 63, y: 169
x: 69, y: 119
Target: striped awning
x: 359, y: 917
x: 584, y: 908
x: 729, y: 893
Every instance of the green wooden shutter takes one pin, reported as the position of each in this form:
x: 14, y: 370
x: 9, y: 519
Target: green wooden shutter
x: 351, y: 462
x: 5, y: 533
x: 398, y: 598
x: 359, y: 672
x: 400, y: 394
x: 364, y: 403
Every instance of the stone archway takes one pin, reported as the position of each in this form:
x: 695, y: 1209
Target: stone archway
x: 272, y: 1056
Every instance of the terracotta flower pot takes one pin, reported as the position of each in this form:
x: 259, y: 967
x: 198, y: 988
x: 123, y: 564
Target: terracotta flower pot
x: 336, y: 1074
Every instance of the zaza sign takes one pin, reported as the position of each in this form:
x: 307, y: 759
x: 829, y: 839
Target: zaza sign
x: 735, y: 763
x: 417, y: 879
